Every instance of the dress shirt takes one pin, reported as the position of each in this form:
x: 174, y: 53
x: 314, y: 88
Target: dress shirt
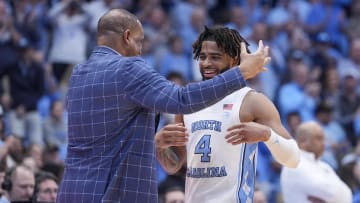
x: 111, y: 103
x: 313, y: 177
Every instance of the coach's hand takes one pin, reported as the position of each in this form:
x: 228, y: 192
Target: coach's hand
x: 171, y: 135
x: 253, y: 64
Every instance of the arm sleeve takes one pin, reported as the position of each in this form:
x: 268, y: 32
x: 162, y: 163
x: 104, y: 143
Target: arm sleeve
x: 149, y: 89
x: 285, y: 151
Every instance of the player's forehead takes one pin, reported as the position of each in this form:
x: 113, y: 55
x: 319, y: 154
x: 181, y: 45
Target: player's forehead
x: 210, y: 48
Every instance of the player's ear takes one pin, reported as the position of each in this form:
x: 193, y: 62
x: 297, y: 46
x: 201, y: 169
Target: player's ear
x: 234, y: 61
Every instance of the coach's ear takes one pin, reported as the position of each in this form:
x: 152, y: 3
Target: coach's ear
x: 126, y: 36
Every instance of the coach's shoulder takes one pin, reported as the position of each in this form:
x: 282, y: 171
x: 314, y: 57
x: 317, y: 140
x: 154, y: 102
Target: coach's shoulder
x: 134, y: 59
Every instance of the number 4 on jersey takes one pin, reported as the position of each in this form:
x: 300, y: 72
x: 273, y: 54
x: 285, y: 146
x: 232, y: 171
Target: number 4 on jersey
x: 203, y: 148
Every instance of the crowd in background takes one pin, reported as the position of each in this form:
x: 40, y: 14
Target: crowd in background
x: 313, y: 75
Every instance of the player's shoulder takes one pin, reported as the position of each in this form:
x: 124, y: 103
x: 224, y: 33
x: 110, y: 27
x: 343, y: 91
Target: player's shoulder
x: 254, y: 95
x: 241, y: 92
x: 254, y: 99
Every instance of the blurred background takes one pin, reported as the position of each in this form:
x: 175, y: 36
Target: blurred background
x: 313, y: 75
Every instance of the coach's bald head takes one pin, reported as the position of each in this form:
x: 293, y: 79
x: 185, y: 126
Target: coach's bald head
x: 310, y: 137
x: 121, y: 31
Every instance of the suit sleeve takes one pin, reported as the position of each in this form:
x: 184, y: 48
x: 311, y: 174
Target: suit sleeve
x: 149, y: 89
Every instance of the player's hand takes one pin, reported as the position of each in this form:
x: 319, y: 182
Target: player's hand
x: 249, y: 132
x: 253, y: 64
x: 171, y: 135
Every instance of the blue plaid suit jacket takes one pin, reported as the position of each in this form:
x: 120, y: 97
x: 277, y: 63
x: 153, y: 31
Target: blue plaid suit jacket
x: 111, y: 105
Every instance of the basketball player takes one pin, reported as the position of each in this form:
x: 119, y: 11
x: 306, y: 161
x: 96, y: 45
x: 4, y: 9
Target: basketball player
x: 219, y: 143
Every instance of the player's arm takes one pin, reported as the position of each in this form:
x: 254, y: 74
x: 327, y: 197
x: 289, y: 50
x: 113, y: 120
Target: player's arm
x: 170, y: 144
x: 266, y: 127
x: 281, y: 145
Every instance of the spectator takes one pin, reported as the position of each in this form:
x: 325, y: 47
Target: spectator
x: 259, y: 196
x: 55, y: 126
x: 46, y: 187
x: 330, y: 84
x: 356, y: 188
x: 172, y: 189
x: 148, y: 53
x: 29, y: 19
x: 293, y: 120
x: 69, y: 37
x: 175, y: 59
x: 36, y: 153
x: 350, y: 173
x: 53, y: 154
x: 348, y: 104
x: 357, y: 123
x: 174, y: 195
x: 26, y: 81
x: 256, y: 10
x: 16, y: 151
x: 352, y: 63
x: 326, y: 16
x: 239, y: 21
x: 313, y: 180
x: 198, y: 19
x: 10, y: 37
x: 6, y: 144
x: 268, y: 82
x: 157, y: 27
x: 31, y: 164
x: 54, y: 168
x: 336, y: 143
x: 353, y: 26
x: 22, y: 184
x: 299, y: 100
x: 4, y: 196
x: 181, y: 15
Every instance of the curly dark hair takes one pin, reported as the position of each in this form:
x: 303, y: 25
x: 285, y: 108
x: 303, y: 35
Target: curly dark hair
x: 227, y: 39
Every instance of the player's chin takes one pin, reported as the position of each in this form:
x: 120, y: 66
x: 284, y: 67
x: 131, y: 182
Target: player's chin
x: 208, y: 76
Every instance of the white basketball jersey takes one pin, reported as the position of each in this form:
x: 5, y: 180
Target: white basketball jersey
x: 218, y: 172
